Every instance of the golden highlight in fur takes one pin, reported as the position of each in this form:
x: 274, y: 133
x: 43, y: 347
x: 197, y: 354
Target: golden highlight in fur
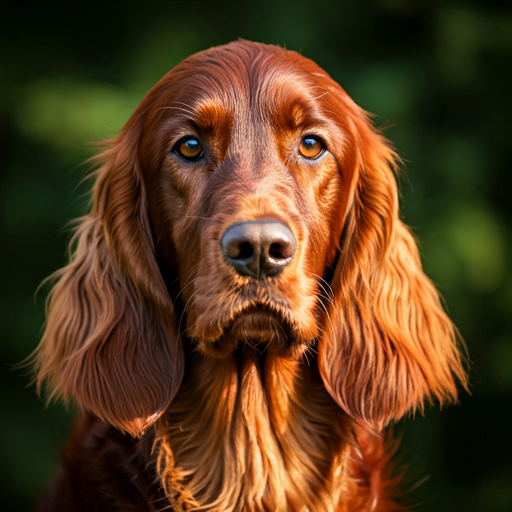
x: 258, y: 395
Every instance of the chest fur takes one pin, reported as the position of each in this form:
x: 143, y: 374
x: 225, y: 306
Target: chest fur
x: 254, y: 434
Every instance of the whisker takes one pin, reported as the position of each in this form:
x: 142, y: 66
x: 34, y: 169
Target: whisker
x: 319, y: 294
x: 328, y: 318
x: 186, y: 330
x: 187, y: 115
x: 312, y: 349
x: 198, y: 217
x: 269, y: 341
x: 329, y: 292
x: 183, y: 313
x: 181, y: 291
x: 184, y: 104
x: 176, y: 108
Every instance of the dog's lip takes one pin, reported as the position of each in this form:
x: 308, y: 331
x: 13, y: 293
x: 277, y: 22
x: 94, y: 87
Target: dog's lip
x: 255, y: 316
x: 269, y: 318
x: 261, y: 311
x: 274, y: 312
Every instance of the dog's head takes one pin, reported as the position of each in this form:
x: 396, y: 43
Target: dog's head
x: 247, y: 200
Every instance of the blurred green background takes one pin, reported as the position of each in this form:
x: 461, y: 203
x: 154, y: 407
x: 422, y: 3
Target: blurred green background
x: 437, y: 74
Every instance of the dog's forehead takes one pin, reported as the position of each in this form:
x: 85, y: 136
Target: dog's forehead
x: 245, y: 80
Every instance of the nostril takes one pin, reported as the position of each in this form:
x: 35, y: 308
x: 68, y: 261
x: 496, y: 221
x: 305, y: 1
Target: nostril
x: 280, y: 251
x: 245, y: 251
x: 237, y: 250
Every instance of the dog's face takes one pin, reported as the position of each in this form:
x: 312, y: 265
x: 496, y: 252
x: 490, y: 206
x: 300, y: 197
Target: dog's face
x: 247, y: 200
x: 243, y: 152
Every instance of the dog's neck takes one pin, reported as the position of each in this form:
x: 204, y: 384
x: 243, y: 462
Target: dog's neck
x: 253, y: 433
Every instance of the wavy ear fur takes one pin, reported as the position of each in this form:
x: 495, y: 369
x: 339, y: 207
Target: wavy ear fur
x: 110, y: 341
x: 389, y: 344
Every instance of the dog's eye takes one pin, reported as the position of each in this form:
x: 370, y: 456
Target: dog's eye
x: 311, y: 147
x: 189, y: 149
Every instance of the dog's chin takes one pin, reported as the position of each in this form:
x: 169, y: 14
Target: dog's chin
x: 259, y: 328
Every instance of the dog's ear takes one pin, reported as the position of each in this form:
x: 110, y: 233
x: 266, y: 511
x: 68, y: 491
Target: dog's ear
x: 110, y: 341
x: 388, y: 345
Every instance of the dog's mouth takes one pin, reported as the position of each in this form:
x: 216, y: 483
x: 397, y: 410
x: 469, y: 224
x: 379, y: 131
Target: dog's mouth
x: 259, y: 325
x: 263, y: 327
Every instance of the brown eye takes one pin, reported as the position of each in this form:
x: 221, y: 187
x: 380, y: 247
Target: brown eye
x: 189, y: 149
x: 311, y: 147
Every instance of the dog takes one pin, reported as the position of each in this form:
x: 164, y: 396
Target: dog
x: 244, y: 312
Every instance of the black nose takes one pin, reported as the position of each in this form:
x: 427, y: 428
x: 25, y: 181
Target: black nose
x: 258, y: 249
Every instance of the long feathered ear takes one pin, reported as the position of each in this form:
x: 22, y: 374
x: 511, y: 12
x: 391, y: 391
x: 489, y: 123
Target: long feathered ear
x: 389, y: 345
x: 110, y: 341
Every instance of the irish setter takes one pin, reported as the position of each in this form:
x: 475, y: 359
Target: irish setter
x: 244, y: 312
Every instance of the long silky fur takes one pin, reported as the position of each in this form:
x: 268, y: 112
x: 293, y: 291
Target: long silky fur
x: 391, y: 345
x: 273, y: 437
x: 110, y: 342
